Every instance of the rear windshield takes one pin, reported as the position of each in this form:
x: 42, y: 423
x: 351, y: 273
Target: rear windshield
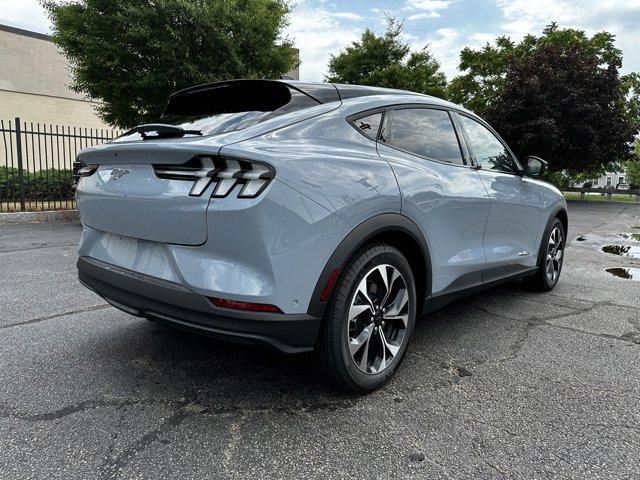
x: 233, y: 106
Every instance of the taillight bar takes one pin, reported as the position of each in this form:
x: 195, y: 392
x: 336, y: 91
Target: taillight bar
x: 225, y: 172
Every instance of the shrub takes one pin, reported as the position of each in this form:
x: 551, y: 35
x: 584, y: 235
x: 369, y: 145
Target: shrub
x: 51, y: 184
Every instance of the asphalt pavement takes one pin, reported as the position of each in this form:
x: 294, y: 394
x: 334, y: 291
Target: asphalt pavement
x: 504, y: 384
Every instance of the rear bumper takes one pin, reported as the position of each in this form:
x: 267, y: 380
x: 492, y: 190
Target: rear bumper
x: 173, y: 304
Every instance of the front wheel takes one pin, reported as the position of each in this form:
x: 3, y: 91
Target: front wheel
x: 368, y: 322
x: 550, y: 261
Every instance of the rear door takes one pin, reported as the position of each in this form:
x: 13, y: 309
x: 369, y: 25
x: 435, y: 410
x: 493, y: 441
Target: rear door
x: 440, y: 192
x: 514, y: 218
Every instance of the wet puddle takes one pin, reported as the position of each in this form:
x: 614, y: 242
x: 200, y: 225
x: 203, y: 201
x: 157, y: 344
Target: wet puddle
x: 626, y: 273
x: 622, y: 250
x: 630, y: 236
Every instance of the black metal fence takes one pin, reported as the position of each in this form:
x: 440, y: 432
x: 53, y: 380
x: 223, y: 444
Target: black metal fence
x: 36, y: 162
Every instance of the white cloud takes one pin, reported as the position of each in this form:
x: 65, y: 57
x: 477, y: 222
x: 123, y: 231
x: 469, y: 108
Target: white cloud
x: 445, y: 45
x: 26, y: 14
x: 347, y: 15
x: 423, y: 16
x: 428, y: 4
x: 620, y: 17
x: 318, y: 33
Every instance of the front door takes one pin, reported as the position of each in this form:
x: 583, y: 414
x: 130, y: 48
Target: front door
x: 514, y: 219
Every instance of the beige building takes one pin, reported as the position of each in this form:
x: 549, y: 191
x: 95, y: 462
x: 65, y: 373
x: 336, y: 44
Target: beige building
x: 34, y: 79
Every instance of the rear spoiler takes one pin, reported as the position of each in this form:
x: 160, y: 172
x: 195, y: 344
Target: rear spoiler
x: 266, y: 93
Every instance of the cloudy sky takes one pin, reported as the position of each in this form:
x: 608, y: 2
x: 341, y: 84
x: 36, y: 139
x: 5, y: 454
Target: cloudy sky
x: 322, y: 27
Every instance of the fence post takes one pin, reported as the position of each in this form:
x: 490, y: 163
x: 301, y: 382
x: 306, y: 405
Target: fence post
x: 20, y: 166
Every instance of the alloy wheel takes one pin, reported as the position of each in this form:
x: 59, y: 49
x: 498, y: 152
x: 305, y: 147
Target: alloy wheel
x: 554, y: 255
x: 378, y: 319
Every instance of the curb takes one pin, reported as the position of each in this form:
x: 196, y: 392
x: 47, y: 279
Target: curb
x: 38, y: 217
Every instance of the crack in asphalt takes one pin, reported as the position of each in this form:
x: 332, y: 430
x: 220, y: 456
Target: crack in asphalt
x: 184, y: 408
x: 113, y: 465
x: 54, y: 316
x: 7, y: 411
x: 629, y: 337
x: 39, y: 247
x: 235, y: 432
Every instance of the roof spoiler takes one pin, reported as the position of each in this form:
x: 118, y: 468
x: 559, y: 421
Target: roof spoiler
x: 271, y: 91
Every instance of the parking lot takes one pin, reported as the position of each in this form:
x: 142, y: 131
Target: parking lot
x: 504, y: 384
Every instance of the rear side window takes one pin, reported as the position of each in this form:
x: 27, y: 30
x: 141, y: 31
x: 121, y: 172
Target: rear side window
x: 425, y: 132
x: 369, y: 125
x: 490, y: 153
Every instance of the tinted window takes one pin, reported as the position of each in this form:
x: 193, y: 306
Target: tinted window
x: 425, y: 132
x: 490, y: 153
x: 369, y: 125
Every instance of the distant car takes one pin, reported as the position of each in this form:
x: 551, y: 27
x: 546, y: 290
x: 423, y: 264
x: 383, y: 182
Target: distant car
x: 623, y: 186
x: 312, y: 217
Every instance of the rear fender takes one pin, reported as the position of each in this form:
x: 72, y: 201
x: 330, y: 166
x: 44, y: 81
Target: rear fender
x: 360, y: 236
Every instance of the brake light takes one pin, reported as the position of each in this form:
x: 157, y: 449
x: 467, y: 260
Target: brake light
x: 226, y: 173
x: 247, y: 306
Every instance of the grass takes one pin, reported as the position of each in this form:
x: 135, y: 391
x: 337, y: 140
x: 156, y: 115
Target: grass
x: 616, y: 197
x: 39, y: 206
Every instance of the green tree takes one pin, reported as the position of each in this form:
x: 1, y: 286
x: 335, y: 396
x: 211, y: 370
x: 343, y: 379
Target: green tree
x: 131, y: 55
x: 386, y: 61
x: 559, y: 96
x: 633, y: 168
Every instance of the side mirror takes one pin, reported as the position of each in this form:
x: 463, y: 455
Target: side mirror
x: 535, y: 167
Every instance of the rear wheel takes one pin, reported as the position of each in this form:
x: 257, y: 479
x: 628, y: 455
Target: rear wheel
x: 551, y: 258
x: 368, y: 322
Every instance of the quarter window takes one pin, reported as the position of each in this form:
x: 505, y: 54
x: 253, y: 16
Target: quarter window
x: 423, y: 131
x: 490, y: 153
x: 369, y: 125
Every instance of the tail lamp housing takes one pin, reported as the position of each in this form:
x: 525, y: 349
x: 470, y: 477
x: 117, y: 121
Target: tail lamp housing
x: 81, y: 170
x: 225, y: 172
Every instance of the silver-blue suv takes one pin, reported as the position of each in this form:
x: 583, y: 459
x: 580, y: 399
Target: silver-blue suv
x: 312, y: 217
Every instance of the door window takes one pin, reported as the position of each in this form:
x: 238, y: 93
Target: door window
x: 489, y: 151
x: 425, y: 132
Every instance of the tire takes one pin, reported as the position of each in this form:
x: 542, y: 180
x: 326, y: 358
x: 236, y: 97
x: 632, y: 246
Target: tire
x: 541, y: 281
x: 382, y: 335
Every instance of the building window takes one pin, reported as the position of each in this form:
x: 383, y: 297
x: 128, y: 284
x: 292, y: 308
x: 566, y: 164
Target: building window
x: 621, y: 180
x: 608, y: 181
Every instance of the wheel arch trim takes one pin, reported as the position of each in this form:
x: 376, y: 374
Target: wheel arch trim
x: 358, y: 237
x: 559, y: 212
